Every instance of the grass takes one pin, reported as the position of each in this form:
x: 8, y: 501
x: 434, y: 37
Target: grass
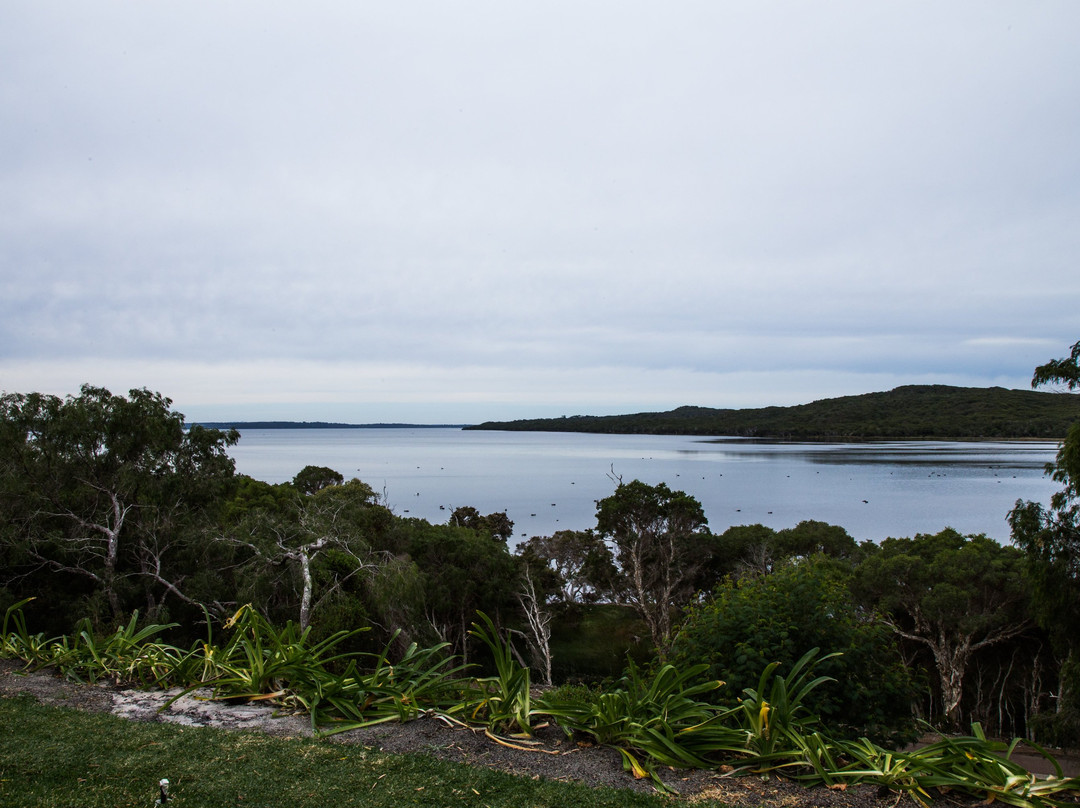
x: 52, y: 756
x: 651, y: 718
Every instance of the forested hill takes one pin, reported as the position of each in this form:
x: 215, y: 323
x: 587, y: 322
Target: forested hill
x: 913, y: 411
x: 241, y: 425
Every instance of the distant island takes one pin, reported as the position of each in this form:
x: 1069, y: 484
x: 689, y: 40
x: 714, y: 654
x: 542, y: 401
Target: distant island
x: 242, y: 425
x: 917, y: 412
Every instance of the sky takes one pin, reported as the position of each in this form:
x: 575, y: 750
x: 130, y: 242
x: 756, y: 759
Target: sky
x: 453, y: 212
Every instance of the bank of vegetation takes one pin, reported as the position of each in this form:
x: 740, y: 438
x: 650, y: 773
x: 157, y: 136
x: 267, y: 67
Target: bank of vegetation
x: 922, y: 412
x: 831, y: 651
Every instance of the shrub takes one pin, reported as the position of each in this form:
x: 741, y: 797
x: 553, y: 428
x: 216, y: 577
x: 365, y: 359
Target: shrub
x: 745, y: 625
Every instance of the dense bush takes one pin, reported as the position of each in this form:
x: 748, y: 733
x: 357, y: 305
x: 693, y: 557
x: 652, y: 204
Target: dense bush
x: 747, y: 624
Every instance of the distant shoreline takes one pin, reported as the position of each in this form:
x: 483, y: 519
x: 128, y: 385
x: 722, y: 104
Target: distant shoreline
x: 313, y: 425
x: 910, y: 412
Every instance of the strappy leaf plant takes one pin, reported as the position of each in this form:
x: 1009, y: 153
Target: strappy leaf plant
x: 653, y: 719
x: 502, y: 701
x: 262, y: 662
x: 773, y: 716
x: 422, y: 680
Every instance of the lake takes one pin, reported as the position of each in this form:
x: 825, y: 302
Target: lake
x: 550, y: 481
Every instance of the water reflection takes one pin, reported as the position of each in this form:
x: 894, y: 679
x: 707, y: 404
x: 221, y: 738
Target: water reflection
x: 551, y: 481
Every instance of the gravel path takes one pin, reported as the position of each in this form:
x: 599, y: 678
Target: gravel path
x: 556, y: 757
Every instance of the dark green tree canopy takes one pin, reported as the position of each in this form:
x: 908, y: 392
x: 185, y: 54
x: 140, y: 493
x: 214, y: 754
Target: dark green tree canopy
x: 757, y: 549
x: 746, y: 624
x: 579, y: 563
x: 662, y: 542
x: 105, y: 488
x: 315, y: 478
x: 952, y: 594
x: 496, y: 525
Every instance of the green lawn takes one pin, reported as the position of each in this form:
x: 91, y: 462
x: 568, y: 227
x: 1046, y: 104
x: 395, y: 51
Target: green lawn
x: 64, y: 758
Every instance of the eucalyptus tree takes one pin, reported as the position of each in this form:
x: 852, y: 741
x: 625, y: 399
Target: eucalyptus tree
x: 578, y: 562
x: 320, y: 538
x: 659, y: 537
x: 107, y: 490
x: 315, y: 478
x: 1050, y: 539
x: 951, y: 594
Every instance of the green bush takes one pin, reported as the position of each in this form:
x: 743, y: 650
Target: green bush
x: 747, y: 624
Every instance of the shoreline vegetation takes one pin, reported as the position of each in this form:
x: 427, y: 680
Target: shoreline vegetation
x: 312, y: 425
x: 911, y: 412
x: 798, y: 653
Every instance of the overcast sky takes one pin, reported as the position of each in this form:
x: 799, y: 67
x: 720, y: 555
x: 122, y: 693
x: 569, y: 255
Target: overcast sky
x: 462, y: 211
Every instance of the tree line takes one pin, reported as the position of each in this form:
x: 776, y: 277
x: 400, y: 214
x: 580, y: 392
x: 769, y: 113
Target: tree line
x: 910, y: 412
x: 109, y: 506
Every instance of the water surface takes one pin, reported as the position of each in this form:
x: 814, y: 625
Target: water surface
x: 550, y: 481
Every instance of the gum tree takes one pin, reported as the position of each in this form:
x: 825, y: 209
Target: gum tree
x: 107, y: 490
x: 658, y: 535
x: 952, y: 594
x: 1050, y: 539
x: 319, y: 537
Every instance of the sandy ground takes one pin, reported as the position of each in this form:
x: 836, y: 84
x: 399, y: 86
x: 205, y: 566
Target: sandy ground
x: 556, y: 757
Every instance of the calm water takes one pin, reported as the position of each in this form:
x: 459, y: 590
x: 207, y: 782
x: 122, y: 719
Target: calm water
x: 550, y: 481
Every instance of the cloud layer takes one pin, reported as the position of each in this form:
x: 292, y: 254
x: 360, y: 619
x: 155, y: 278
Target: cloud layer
x: 483, y: 211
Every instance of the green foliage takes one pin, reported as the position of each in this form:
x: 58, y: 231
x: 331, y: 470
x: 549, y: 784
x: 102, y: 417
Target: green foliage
x: 659, y: 718
x: 496, y: 525
x: 661, y: 540
x: 390, y: 688
x: 1050, y: 540
x: 462, y: 572
x: 755, y: 621
x: 757, y: 549
x: 60, y: 757
x: 108, y: 496
x: 652, y: 720
x: 315, y: 478
x: 505, y: 698
x: 914, y: 411
x: 951, y: 595
x: 774, y: 714
x: 1060, y: 371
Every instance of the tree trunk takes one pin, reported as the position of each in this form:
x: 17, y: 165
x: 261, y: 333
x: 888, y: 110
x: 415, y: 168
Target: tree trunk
x: 951, y: 665
x: 305, y: 595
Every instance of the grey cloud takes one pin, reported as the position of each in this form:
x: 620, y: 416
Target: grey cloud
x: 861, y: 189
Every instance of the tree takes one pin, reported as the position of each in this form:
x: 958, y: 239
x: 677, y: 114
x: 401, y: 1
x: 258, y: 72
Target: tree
x: 810, y: 537
x: 315, y: 478
x: 748, y: 623
x: 324, y: 525
x: 580, y: 562
x: 462, y: 572
x: 104, y: 489
x: 538, y: 619
x: 1060, y: 371
x: 757, y: 549
x: 497, y: 525
x: 951, y: 594
x: 1050, y: 539
x: 658, y: 535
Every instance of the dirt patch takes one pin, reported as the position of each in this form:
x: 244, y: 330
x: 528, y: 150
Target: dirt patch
x: 556, y: 757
